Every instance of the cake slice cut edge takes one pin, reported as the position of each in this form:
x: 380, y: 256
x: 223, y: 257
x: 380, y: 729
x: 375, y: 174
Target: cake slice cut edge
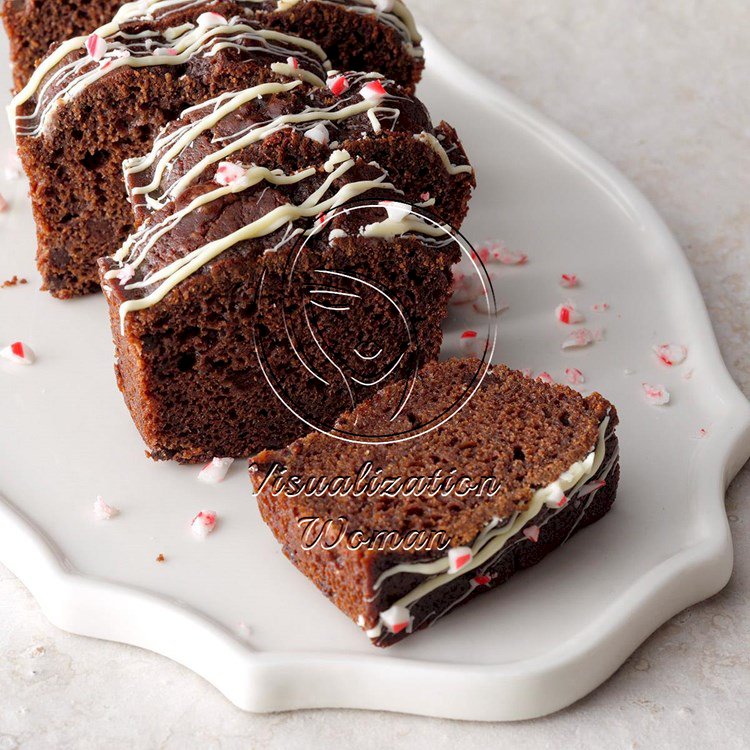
x: 555, y: 457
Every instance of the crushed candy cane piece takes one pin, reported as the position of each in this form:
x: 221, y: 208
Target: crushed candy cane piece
x: 466, y: 288
x: 293, y: 63
x: 582, y: 337
x: 482, y: 580
x: 18, y: 353
x: 424, y: 197
x: 459, y: 557
x: 657, y: 395
x: 338, y: 84
x: 569, y: 280
x: 600, y: 307
x: 568, y: 314
x: 574, y: 376
x: 703, y: 432
x: 396, y: 619
x: 545, y: 377
x: 384, y: 6
x: 532, y: 533
x: 319, y: 133
x: 210, y: 20
x: 3, y: 204
x: 96, y: 46
x: 215, y: 471
x: 125, y: 274
x: 169, y: 51
x: 103, y: 511
x: 671, y: 354
x: 498, y: 252
x: 373, y: 91
x: 203, y: 524
x: 228, y: 172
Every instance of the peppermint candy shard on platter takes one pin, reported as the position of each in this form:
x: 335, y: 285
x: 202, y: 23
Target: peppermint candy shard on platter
x: 567, y: 313
x: 18, y: 353
x: 3, y: 204
x: 545, y: 377
x: 569, y: 280
x: 396, y: 619
x: 657, y: 395
x: 215, y: 471
x: 582, y: 337
x: 103, y: 511
x: 203, y: 524
x: 600, y: 307
x: 459, y: 557
x: 574, y: 376
x: 671, y: 354
x: 498, y: 252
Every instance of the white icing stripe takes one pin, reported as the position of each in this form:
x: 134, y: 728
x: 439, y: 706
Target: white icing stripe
x: 136, y: 51
x: 256, y: 134
x: 491, y: 540
x: 452, y: 169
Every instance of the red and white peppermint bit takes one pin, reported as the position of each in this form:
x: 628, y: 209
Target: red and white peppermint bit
x: 396, y: 619
x: 293, y: 63
x: 18, y: 353
x: 600, y: 307
x: 104, y: 512
x: 481, y: 580
x: 169, y: 51
x: 574, y: 376
x: 545, y: 377
x: 384, y: 6
x: 568, y: 314
x: 569, y: 280
x: 96, y: 46
x: 581, y: 337
x: 228, y: 173
x: 498, y: 252
x: 555, y: 497
x: 209, y: 20
x: 125, y: 274
x: 472, y: 344
x: 424, y: 197
x: 459, y: 557
x: 587, y: 489
x: 116, y: 54
x: 703, y: 432
x: 319, y: 133
x: 215, y: 471
x: 338, y: 84
x: 657, y: 395
x: 3, y: 204
x: 532, y: 532
x: 671, y: 354
x: 466, y: 288
x: 373, y: 91
x: 203, y: 524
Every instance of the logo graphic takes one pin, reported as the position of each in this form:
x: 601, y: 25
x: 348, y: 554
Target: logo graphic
x: 348, y: 309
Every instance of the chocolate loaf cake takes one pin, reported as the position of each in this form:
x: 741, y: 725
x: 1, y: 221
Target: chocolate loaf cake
x: 399, y: 534
x: 96, y: 101
x: 222, y: 346
x: 34, y: 25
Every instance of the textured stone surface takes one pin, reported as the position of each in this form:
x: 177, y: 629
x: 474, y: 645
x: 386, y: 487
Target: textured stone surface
x: 661, y: 90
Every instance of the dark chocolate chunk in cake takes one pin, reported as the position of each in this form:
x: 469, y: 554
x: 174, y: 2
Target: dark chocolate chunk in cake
x: 93, y: 103
x: 378, y: 39
x: 516, y: 471
x: 214, y: 308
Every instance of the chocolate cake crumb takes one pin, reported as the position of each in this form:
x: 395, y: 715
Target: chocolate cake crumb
x: 15, y: 281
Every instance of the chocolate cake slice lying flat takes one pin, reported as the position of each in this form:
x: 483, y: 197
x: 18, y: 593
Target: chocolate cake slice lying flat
x: 34, y: 25
x: 263, y: 301
x: 96, y: 101
x: 398, y: 535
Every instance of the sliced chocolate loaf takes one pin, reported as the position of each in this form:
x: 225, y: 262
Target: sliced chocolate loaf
x: 399, y: 534
x: 364, y: 114
x: 252, y: 306
x: 96, y: 101
x: 382, y: 35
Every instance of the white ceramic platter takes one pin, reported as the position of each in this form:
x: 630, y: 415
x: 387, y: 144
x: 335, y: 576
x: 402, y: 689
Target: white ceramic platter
x: 534, y: 646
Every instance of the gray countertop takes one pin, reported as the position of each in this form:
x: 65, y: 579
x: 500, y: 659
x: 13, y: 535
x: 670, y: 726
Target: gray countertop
x: 661, y: 90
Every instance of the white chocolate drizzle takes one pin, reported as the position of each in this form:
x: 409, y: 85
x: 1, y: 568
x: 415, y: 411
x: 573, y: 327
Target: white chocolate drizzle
x: 493, y: 538
x: 52, y: 84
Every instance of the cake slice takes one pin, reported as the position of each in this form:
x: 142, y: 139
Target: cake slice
x: 96, y: 101
x: 34, y: 25
x: 399, y: 534
x: 258, y: 303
